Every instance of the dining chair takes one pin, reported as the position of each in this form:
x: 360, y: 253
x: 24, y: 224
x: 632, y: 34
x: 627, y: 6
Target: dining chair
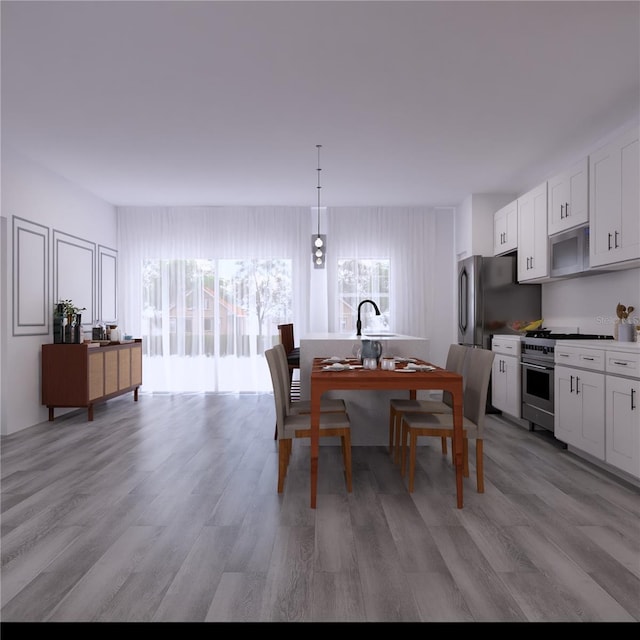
x: 295, y: 425
x: 293, y: 352
x: 414, y: 425
x: 397, y: 406
x: 327, y: 405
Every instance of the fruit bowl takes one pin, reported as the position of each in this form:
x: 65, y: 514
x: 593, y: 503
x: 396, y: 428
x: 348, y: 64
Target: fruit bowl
x: 523, y: 326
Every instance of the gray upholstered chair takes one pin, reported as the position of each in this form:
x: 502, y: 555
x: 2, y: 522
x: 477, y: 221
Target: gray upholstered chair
x: 293, y: 425
x: 397, y: 406
x: 414, y: 425
x: 327, y: 405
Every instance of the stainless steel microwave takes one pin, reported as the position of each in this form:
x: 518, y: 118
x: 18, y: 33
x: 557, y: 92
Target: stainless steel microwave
x: 569, y: 252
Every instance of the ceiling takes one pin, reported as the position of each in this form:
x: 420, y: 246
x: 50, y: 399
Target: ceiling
x: 169, y: 103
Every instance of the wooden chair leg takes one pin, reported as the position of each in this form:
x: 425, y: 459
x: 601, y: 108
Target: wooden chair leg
x: 465, y: 457
x: 346, y: 454
x: 413, y: 445
x: 403, y: 446
x: 479, y: 466
x: 392, y: 428
x: 444, y: 446
x: 396, y: 458
x: 283, y: 461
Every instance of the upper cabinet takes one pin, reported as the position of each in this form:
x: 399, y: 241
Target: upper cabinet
x: 505, y: 229
x: 568, y: 204
x: 614, y: 200
x: 533, y: 241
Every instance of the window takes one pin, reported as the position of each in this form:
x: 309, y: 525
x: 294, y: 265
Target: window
x: 361, y: 280
x: 212, y: 321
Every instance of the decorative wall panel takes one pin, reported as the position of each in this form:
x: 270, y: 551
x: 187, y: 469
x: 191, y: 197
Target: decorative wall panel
x: 74, y: 273
x: 107, y: 284
x: 31, y: 313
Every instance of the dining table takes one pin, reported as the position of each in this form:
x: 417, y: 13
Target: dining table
x: 410, y: 375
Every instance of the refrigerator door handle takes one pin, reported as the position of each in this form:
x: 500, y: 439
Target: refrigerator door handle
x: 463, y: 300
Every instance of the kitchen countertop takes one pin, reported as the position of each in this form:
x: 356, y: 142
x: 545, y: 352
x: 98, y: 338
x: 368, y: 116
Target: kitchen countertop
x: 605, y: 345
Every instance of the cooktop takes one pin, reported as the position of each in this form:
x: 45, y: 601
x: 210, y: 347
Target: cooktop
x: 547, y: 333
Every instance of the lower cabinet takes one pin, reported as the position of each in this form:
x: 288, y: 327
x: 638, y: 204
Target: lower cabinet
x: 579, y: 409
x: 76, y: 375
x: 505, y: 385
x: 623, y: 424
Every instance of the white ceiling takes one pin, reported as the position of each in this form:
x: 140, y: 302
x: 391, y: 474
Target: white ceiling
x: 223, y: 103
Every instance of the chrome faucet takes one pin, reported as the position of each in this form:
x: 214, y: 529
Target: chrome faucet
x: 359, y: 322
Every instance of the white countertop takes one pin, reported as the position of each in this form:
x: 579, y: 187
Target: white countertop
x: 351, y: 337
x: 605, y: 345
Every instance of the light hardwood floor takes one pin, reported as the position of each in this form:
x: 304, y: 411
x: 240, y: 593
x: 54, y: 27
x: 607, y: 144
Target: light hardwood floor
x: 167, y: 510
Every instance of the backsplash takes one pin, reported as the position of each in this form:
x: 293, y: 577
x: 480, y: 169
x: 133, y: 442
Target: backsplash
x: 590, y: 303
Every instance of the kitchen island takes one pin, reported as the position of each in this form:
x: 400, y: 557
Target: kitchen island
x: 368, y: 410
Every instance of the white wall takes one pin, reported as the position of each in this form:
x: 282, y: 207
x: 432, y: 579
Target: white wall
x: 35, y: 194
x: 589, y: 303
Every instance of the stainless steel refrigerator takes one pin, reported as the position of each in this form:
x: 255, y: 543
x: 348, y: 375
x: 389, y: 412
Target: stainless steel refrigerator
x: 490, y: 299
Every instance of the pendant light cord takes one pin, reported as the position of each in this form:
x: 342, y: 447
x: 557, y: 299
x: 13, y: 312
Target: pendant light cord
x: 319, y: 187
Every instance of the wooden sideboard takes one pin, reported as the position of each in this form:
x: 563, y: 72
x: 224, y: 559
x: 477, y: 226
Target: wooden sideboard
x: 77, y: 375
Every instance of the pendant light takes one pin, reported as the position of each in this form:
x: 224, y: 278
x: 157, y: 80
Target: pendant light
x: 319, y: 242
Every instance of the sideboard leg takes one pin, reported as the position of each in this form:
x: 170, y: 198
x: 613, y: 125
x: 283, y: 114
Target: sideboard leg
x: 50, y: 414
x: 135, y: 394
x: 90, y: 413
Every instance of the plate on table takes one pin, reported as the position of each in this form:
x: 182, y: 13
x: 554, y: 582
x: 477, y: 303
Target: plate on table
x: 336, y: 366
x: 401, y: 359
x: 420, y: 367
x: 333, y: 359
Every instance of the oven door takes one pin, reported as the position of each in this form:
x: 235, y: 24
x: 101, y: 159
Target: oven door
x: 537, y: 385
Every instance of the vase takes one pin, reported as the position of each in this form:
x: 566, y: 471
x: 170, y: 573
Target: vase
x: 77, y: 329
x: 626, y: 332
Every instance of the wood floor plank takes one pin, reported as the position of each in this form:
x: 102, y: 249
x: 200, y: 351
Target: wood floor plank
x: 191, y: 592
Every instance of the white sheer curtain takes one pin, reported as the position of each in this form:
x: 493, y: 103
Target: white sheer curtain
x: 408, y: 238
x: 210, y: 234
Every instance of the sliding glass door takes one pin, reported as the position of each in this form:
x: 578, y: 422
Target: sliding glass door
x: 207, y: 323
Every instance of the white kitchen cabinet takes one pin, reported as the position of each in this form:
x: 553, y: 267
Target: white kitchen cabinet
x: 505, y: 229
x: 614, y: 202
x: 623, y: 424
x: 568, y: 198
x: 506, y: 377
x: 622, y: 413
x: 533, y: 241
x: 579, y: 409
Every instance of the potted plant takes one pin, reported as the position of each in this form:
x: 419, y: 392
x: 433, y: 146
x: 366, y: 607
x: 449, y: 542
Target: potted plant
x: 67, y: 321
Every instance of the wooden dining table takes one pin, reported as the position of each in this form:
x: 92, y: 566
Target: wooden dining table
x: 359, y: 378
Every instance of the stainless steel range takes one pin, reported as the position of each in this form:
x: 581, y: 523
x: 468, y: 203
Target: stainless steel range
x: 537, y: 359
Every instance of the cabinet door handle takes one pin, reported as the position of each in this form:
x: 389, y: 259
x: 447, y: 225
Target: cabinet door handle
x: 633, y: 406
x: 609, y: 241
x: 622, y: 364
x: 587, y: 358
x: 566, y: 209
x: 532, y: 262
x: 563, y: 355
x: 577, y: 385
x: 571, y: 384
x: 615, y: 242
x: 561, y: 211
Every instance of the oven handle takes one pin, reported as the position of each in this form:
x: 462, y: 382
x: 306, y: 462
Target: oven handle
x: 536, y: 366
